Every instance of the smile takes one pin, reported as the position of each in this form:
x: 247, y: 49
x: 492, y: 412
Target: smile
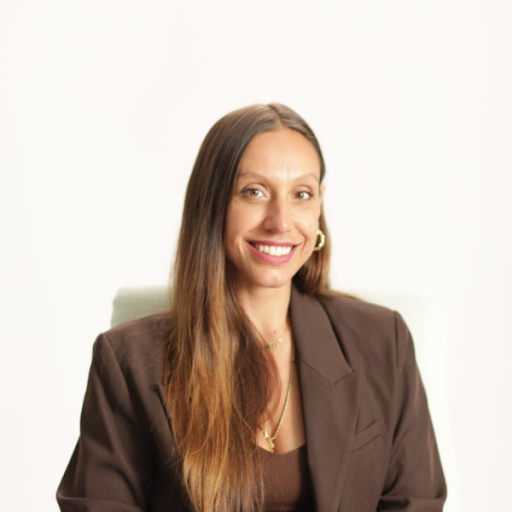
x: 275, y: 253
x: 274, y: 250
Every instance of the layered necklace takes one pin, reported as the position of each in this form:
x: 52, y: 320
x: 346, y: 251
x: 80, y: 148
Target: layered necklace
x: 279, y: 340
x: 270, y: 439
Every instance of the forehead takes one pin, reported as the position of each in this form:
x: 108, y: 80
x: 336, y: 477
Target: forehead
x: 284, y: 151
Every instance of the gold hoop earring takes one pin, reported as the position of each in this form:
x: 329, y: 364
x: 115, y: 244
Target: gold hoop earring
x: 320, y: 244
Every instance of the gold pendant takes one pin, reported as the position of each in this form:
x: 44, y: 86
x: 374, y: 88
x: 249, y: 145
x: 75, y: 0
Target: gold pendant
x: 267, y: 437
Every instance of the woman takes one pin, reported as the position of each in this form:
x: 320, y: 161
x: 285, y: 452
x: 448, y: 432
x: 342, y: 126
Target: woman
x: 262, y: 389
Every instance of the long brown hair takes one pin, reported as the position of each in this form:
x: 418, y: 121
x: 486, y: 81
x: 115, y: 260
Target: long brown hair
x: 216, y: 378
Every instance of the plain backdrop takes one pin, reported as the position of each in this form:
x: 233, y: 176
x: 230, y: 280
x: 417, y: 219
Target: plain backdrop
x: 103, y: 106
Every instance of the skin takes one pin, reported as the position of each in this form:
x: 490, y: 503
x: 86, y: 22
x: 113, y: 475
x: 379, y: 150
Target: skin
x: 277, y: 198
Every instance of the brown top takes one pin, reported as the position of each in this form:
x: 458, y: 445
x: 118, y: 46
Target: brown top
x: 363, y: 403
x: 287, y: 481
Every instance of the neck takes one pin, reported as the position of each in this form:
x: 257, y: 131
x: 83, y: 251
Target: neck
x: 267, y: 309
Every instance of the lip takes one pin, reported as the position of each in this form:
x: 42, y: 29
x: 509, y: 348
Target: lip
x: 267, y: 258
x: 272, y: 242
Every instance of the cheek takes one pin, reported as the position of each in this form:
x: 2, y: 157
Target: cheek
x: 309, y: 222
x: 230, y: 229
x: 309, y: 229
x: 238, y: 222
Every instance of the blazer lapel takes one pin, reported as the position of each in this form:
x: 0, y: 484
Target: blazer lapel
x: 330, y: 397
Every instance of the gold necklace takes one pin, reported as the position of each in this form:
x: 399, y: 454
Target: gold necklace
x: 270, y: 346
x: 270, y: 439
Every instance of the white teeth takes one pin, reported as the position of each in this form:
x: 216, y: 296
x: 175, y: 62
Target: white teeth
x: 274, y: 250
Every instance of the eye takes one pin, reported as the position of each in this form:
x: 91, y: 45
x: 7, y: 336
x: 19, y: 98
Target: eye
x: 252, y: 192
x: 304, y: 194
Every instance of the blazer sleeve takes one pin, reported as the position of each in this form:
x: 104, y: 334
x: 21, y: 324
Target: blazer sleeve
x: 415, y: 481
x: 111, y: 466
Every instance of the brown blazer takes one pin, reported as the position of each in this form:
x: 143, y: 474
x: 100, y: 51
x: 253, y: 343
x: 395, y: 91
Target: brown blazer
x: 370, y: 441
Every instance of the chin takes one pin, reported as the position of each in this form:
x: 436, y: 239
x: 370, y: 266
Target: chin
x: 269, y: 281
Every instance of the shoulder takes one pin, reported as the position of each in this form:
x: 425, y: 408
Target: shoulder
x: 366, y: 329
x: 136, y: 347
x: 357, y: 314
x: 340, y: 303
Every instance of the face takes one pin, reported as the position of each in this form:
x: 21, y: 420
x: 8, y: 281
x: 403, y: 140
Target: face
x: 274, y: 211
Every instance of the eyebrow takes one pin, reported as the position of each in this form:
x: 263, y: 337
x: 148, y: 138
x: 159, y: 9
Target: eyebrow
x: 261, y: 177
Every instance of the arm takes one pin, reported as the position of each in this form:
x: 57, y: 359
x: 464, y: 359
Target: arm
x: 111, y: 467
x: 415, y: 480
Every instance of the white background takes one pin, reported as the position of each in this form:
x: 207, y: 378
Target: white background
x: 103, y: 106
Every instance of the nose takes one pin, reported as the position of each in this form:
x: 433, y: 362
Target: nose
x: 279, y: 216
